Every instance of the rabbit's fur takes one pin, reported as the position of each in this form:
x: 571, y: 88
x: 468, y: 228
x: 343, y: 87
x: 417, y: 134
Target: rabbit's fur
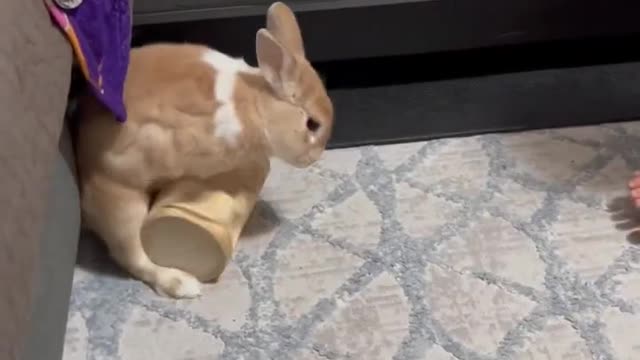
x: 194, y: 112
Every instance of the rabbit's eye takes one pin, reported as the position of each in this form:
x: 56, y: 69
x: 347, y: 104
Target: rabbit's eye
x: 312, y: 125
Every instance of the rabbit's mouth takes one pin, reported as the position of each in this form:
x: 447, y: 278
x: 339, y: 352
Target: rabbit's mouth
x: 309, y: 158
x: 305, y: 161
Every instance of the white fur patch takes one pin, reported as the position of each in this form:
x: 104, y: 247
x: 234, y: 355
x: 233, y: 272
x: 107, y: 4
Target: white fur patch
x: 189, y: 288
x: 176, y: 283
x: 227, y: 125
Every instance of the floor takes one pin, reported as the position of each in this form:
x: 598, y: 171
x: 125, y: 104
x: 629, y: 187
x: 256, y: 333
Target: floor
x: 512, y: 246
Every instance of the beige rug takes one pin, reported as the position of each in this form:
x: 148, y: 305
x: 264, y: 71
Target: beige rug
x: 516, y: 246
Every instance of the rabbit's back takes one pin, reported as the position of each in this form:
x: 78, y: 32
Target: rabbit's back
x: 169, y: 95
x: 167, y: 78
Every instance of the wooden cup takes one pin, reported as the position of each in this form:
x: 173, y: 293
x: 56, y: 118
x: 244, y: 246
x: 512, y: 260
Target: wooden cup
x: 194, y: 225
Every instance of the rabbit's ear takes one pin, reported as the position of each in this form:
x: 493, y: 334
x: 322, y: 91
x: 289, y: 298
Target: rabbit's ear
x: 274, y: 60
x: 282, y: 24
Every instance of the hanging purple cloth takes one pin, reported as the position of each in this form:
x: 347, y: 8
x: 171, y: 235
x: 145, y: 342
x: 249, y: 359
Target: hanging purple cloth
x: 100, y: 33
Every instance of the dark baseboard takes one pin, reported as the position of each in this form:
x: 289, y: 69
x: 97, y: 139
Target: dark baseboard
x: 495, y: 103
x: 514, y: 88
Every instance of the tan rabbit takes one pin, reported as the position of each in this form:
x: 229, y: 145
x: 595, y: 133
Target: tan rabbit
x: 195, y: 112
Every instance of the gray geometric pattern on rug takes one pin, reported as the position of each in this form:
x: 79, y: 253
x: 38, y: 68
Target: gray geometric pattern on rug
x: 507, y: 246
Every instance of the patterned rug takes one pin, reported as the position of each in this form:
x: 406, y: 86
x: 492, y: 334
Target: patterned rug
x: 515, y: 246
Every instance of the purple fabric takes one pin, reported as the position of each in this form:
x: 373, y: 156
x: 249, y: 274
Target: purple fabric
x: 103, y: 30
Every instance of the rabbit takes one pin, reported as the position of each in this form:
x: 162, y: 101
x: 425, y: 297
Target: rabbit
x: 194, y: 112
